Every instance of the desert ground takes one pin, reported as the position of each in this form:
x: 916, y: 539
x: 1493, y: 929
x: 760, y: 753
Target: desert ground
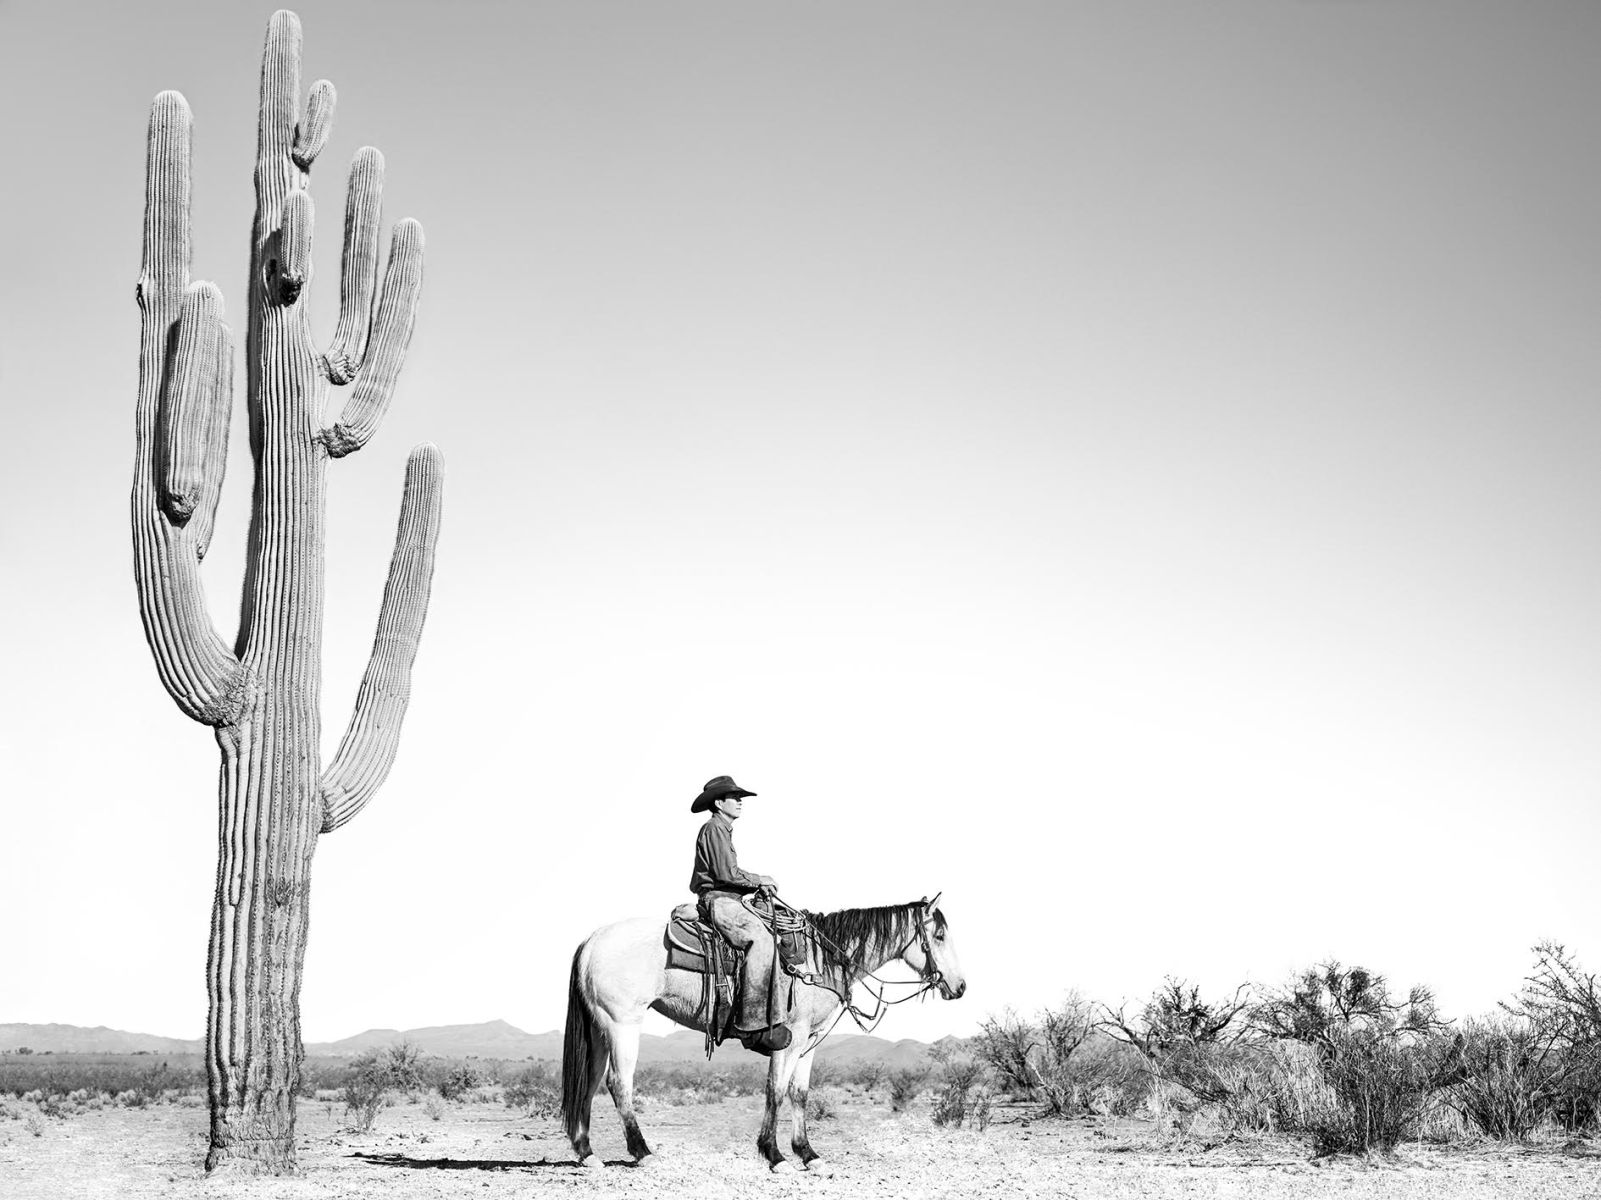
x: 707, y: 1151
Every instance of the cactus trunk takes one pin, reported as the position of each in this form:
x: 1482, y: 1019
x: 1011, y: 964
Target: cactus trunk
x: 258, y: 938
x: 262, y: 695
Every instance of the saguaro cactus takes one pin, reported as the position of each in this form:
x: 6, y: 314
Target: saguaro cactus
x: 261, y: 695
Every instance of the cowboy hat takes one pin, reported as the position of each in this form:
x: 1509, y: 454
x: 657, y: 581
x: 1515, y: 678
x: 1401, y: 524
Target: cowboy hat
x: 715, y: 790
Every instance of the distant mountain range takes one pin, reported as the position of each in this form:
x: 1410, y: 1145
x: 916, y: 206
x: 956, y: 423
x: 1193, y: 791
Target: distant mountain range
x: 491, y: 1039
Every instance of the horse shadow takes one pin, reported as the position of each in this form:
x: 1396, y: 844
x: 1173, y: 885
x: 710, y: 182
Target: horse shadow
x: 406, y: 1162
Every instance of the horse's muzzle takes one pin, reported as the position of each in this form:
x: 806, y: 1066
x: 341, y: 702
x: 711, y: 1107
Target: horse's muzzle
x: 952, y: 993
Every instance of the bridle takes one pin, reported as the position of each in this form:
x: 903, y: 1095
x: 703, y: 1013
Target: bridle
x: 929, y: 978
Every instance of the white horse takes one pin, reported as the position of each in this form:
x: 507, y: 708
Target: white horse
x: 621, y: 970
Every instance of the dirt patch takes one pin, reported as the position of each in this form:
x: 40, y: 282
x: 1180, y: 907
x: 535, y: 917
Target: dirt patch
x: 707, y: 1152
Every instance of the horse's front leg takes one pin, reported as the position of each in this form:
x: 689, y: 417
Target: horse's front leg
x: 799, y: 1087
x: 779, y: 1069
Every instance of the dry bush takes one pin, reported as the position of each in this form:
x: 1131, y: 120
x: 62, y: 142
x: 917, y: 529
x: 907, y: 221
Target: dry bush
x: 1382, y: 1084
x: 1040, y: 1059
x: 963, y: 1090
x: 1190, y: 1053
x: 64, y: 1074
x: 1009, y: 1044
x: 668, y: 1079
x: 1381, y: 1060
x: 1508, y: 1077
x: 1561, y: 1002
x: 536, y: 1090
x: 867, y: 1074
x: 905, y: 1083
x: 454, y: 1081
x: 374, y: 1075
x: 822, y: 1104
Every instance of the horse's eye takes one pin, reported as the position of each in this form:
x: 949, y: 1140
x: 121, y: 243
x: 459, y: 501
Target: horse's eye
x: 940, y: 936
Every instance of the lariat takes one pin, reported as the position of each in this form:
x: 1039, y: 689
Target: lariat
x: 784, y: 919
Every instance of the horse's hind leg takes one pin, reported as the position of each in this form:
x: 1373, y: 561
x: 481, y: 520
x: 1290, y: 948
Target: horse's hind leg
x: 624, y: 1055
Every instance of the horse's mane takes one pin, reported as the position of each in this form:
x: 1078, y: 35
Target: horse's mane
x: 851, y: 936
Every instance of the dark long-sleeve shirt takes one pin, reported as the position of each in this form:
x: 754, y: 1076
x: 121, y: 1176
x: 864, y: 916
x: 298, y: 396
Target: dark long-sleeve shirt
x: 715, y: 863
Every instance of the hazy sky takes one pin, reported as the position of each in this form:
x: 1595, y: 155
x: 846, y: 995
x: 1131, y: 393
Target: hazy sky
x: 1132, y: 466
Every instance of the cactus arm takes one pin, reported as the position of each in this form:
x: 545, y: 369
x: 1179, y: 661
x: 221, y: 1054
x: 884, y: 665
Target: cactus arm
x: 194, y: 664
x: 294, y: 246
x: 368, y: 748
x: 312, y: 134
x: 358, y: 267
x: 386, y: 348
x: 218, y: 416
x: 184, y: 420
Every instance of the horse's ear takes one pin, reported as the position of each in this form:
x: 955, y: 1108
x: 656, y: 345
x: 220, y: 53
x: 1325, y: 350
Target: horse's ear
x: 934, y: 903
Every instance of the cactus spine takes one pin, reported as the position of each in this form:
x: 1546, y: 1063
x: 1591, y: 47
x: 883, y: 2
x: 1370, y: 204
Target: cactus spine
x: 261, y: 694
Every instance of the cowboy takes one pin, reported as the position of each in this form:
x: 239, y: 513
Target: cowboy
x: 719, y: 885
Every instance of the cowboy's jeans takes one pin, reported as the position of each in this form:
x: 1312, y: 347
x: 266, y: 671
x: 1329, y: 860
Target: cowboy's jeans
x: 749, y: 933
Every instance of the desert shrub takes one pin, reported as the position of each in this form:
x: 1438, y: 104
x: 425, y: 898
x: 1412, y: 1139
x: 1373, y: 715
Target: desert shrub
x: 402, y: 1062
x: 454, y: 1081
x: 1040, y: 1059
x: 375, y: 1074
x: 1382, y: 1061
x: 1382, y: 1084
x: 319, y: 1076
x: 1297, y: 1096
x: 668, y: 1079
x: 1506, y: 1077
x: 981, y: 1109
x: 112, y: 1073
x: 535, y: 1090
x: 821, y: 1104
x: 961, y: 1088
x: 1009, y: 1045
x: 1328, y: 999
x: 1577, y: 1104
x: 1562, y: 1004
x: 1191, y: 1053
x: 867, y: 1075
x: 905, y: 1083
x: 433, y: 1107
x: 364, y: 1095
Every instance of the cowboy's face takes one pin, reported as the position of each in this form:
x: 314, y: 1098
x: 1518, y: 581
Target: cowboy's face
x: 730, y: 806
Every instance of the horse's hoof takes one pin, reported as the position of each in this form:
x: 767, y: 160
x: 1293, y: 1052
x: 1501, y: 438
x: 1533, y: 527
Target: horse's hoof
x: 818, y: 1167
x: 645, y: 1160
x: 783, y: 1167
x: 592, y: 1162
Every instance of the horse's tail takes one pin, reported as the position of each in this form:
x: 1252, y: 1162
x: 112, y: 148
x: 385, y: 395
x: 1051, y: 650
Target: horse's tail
x: 577, y: 1054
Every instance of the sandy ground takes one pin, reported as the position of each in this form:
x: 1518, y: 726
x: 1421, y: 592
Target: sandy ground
x: 707, y: 1152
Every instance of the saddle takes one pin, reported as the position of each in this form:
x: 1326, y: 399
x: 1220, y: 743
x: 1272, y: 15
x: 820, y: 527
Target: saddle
x: 688, y: 939
x: 695, y: 945
x: 698, y: 946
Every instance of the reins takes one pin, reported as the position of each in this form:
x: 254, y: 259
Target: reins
x: 786, y: 919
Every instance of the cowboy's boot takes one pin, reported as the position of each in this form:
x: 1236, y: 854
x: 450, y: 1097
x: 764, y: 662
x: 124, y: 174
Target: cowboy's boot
x: 765, y: 1041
